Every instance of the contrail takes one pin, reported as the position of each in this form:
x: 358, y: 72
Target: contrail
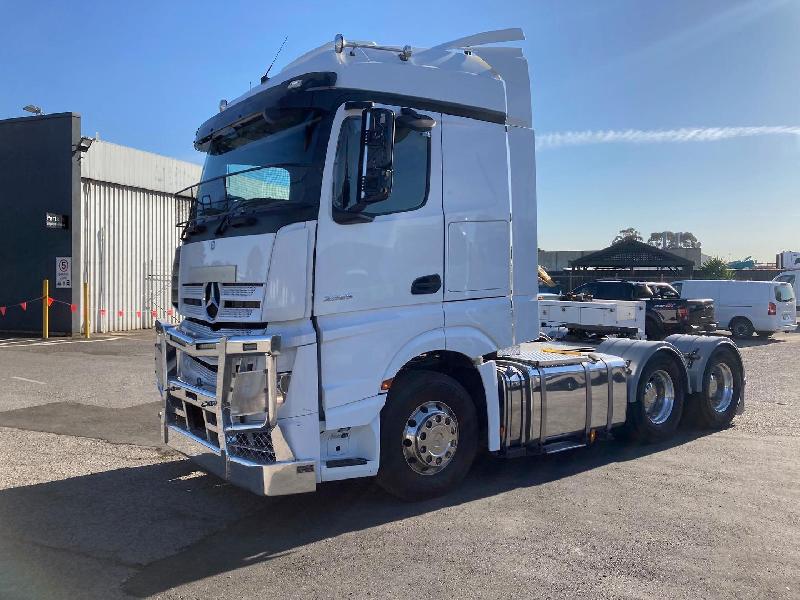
x: 654, y: 136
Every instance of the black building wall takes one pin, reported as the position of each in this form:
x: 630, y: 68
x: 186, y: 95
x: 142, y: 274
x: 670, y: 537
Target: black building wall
x: 39, y: 173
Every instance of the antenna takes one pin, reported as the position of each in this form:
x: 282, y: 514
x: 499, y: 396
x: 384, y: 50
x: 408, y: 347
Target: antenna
x: 265, y: 77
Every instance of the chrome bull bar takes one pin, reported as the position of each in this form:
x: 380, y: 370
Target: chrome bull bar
x: 209, y: 425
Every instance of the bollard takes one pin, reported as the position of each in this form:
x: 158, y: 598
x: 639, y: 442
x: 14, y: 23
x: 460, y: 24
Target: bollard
x: 45, y: 309
x: 86, y: 325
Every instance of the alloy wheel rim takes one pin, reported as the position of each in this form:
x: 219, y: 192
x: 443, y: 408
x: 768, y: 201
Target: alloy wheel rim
x: 430, y: 438
x: 659, y: 397
x: 720, y: 387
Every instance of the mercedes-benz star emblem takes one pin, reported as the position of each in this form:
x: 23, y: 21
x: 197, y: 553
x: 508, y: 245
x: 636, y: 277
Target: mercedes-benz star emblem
x: 211, y: 300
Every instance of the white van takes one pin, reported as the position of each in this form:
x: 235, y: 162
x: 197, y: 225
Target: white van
x: 744, y: 307
x: 793, y: 279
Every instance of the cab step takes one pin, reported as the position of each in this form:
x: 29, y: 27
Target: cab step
x: 562, y: 446
x: 345, y: 462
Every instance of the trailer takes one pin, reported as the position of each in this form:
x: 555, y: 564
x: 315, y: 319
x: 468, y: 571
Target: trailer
x: 611, y: 317
x: 349, y: 303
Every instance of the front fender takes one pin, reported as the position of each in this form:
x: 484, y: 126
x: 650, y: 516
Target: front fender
x: 428, y: 341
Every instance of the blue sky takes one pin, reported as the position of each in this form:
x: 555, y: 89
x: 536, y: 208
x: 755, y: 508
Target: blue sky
x: 147, y: 74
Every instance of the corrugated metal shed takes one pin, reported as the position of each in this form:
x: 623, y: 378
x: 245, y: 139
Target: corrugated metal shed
x: 128, y: 213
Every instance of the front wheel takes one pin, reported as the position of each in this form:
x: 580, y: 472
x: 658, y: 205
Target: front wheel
x: 655, y: 414
x: 429, y: 436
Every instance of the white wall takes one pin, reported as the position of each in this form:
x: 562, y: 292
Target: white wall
x: 126, y: 219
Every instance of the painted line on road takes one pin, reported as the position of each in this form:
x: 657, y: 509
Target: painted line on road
x: 28, y: 380
x: 54, y: 343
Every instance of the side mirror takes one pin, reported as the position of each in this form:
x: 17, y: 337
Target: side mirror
x: 377, y: 149
x: 414, y: 121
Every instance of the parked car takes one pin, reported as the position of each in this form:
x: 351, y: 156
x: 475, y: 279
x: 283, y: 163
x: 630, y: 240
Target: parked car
x: 793, y: 279
x: 744, y: 307
x: 666, y: 311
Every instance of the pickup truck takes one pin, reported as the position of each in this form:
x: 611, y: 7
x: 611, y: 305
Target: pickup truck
x: 666, y: 311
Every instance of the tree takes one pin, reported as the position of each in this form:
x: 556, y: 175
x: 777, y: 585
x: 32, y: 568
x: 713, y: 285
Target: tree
x: 714, y: 268
x: 672, y: 239
x: 627, y: 234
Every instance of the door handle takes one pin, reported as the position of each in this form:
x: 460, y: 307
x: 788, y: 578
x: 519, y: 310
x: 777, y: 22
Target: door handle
x: 427, y: 284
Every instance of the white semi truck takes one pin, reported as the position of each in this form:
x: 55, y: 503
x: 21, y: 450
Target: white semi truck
x: 357, y: 283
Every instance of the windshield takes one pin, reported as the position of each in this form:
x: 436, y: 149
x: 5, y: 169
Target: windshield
x: 264, y: 161
x: 784, y: 292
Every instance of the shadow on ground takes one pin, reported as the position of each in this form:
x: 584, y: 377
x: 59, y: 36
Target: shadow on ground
x: 168, y: 523
x: 137, y: 424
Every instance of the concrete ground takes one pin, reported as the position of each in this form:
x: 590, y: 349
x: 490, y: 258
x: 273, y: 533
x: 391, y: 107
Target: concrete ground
x: 92, y: 507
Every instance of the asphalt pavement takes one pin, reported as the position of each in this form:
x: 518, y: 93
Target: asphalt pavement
x: 91, y: 506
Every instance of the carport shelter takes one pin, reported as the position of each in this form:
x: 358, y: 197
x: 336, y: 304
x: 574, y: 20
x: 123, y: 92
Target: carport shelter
x: 630, y: 256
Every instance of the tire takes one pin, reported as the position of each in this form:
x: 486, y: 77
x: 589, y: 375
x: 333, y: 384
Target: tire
x: 765, y: 334
x: 723, y: 379
x: 645, y: 422
x: 653, y: 329
x: 741, y: 328
x: 420, y: 402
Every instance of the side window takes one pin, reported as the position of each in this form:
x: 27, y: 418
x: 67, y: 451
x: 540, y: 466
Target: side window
x: 412, y: 154
x: 620, y: 291
x: 601, y: 291
x: 640, y: 292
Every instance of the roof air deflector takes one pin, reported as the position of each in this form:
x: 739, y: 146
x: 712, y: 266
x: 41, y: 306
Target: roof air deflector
x: 512, y: 34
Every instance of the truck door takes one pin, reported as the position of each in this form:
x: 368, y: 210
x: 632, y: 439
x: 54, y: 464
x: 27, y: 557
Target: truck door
x: 378, y: 282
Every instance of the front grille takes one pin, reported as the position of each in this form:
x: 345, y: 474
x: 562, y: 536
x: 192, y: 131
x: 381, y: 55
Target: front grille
x: 242, y: 289
x: 202, y: 330
x: 255, y: 446
x: 198, y: 372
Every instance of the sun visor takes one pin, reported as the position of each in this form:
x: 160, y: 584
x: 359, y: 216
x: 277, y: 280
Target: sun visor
x: 296, y: 92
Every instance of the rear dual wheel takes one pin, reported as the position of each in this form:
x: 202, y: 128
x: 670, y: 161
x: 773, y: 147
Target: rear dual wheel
x: 723, y: 380
x: 660, y: 395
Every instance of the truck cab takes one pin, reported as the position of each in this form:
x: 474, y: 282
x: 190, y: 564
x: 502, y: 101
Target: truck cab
x: 359, y: 254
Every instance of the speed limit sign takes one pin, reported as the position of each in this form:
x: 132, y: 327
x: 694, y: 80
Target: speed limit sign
x: 64, y: 272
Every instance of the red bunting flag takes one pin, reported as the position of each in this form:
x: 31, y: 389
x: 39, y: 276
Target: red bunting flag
x: 154, y: 313
x: 24, y: 305
x: 73, y: 308
x: 102, y: 312
x: 169, y: 312
x: 138, y: 314
x: 120, y: 313
x: 3, y: 311
x: 50, y: 301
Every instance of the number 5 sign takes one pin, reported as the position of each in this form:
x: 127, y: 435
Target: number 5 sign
x: 64, y: 272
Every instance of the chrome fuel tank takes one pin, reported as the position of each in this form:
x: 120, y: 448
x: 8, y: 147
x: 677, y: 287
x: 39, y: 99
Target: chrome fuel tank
x: 547, y: 393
